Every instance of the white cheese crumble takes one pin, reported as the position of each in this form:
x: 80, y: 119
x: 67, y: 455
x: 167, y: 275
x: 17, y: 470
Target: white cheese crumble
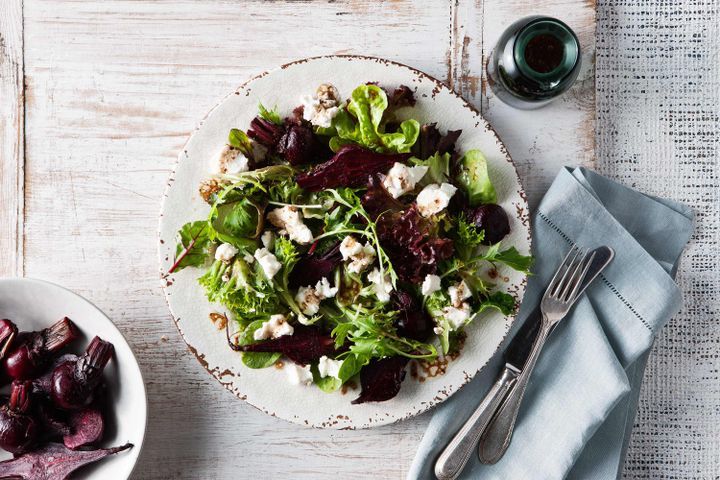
x: 438, y: 330
x: 327, y: 367
x: 321, y: 108
x: 276, y: 327
x: 225, y: 252
x: 248, y: 258
x: 434, y: 198
x: 268, y: 239
x: 383, y: 285
x: 268, y: 262
x: 360, y: 256
x: 430, y: 285
x: 231, y: 161
x: 290, y: 220
x: 402, y: 179
x: 459, y: 293
x: 298, y: 375
x: 324, y: 288
x: 309, y: 298
x: 457, y: 316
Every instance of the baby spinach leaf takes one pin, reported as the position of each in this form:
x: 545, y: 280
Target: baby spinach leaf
x: 238, y: 139
x: 260, y: 359
x: 327, y: 384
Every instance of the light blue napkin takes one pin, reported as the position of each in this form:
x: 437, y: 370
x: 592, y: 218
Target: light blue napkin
x: 580, y: 404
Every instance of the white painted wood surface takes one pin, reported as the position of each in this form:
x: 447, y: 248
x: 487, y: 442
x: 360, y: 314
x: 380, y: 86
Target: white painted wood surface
x: 113, y: 88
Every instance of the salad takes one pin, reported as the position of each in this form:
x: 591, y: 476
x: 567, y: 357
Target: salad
x: 349, y: 239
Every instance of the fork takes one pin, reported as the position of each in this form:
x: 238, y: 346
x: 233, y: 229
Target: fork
x: 556, y: 302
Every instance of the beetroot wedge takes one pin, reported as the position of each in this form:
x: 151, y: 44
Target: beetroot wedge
x: 53, y: 462
x: 381, y: 379
x: 303, y: 347
x: 87, y: 428
x: 312, y: 268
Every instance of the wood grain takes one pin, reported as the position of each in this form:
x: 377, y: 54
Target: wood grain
x: 11, y: 138
x: 113, y: 90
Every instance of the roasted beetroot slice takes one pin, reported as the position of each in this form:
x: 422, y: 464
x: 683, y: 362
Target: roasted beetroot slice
x: 381, y: 379
x: 8, y: 333
x: 298, y: 145
x: 87, y: 429
x: 265, y: 133
x: 349, y: 167
x: 53, y: 462
x: 303, y: 347
x: 54, y: 422
x: 312, y: 268
x: 413, y: 321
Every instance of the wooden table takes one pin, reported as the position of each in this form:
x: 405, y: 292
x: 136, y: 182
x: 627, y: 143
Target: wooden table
x: 97, y: 98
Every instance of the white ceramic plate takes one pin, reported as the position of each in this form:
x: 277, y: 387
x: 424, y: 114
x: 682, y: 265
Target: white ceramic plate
x: 267, y: 389
x: 34, y: 305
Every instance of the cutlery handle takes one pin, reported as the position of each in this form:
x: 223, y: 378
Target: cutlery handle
x: 452, y: 460
x: 495, y: 440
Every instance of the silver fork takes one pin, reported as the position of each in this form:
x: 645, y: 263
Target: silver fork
x: 556, y: 302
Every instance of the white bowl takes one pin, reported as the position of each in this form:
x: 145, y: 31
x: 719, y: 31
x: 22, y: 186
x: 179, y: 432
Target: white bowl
x: 36, y: 304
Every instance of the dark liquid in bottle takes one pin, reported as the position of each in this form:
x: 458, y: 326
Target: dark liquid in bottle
x: 544, y: 53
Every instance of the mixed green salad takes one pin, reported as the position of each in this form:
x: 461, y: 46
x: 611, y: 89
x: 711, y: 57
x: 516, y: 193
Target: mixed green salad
x: 349, y: 239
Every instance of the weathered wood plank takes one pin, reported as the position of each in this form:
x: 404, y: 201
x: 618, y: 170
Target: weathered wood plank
x: 11, y: 138
x: 563, y: 133
x: 114, y: 88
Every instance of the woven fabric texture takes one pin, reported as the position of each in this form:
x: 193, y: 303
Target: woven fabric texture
x: 658, y: 107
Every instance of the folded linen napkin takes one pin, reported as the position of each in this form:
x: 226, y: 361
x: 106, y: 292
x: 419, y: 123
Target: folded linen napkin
x: 580, y: 403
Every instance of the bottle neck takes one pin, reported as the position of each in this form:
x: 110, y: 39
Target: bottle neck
x: 546, y: 51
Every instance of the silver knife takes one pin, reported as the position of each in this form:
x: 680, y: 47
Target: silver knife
x: 453, y: 459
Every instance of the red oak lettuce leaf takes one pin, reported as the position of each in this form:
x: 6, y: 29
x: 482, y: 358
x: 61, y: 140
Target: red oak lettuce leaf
x: 349, y: 167
x: 430, y: 141
x: 402, y: 96
x: 377, y: 199
x: 414, y: 249
x: 381, y: 379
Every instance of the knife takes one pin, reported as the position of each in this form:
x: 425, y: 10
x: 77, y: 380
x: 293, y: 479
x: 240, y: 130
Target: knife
x: 453, y: 459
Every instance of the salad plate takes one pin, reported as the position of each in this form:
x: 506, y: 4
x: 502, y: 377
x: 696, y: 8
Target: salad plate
x: 391, y: 195
x: 34, y: 305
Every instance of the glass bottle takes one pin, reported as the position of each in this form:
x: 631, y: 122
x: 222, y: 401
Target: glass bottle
x: 536, y: 59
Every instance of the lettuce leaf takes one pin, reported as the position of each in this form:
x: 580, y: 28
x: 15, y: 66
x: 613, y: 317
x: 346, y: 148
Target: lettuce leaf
x: 362, y: 123
x: 256, y: 359
x: 269, y: 115
x: 438, y: 168
x: 193, y: 246
x: 473, y: 177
